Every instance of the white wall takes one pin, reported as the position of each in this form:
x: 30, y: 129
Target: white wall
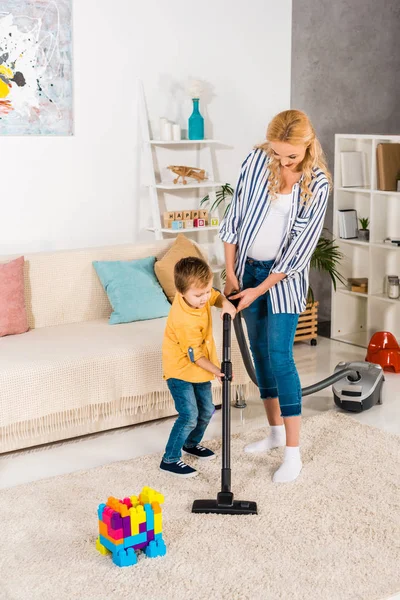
x: 81, y: 191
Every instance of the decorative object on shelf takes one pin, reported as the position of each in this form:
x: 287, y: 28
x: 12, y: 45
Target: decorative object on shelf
x: 363, y: 233
x: 387, y: 166
x: 354, y: 169
x: 176, y: 132
x: 167, y: 132
x: 393, y: 241
x: 177, y: 225
x: 195, y: 214
x: 347, y: 219
x: 178, y: 215
x: 393, y: 287
x: 184, y: 172
x: 214, y: 222
x: 358, y: 284
x: 384, y: 350
x: 188, y: 224
x: 196, y: 121
x: 199, y: 223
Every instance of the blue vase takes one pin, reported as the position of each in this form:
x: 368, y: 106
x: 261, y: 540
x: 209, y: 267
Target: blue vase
x: 196, y: 123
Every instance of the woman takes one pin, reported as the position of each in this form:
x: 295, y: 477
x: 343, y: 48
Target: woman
x: 270, y: 233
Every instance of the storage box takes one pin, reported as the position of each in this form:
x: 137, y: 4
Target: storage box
x: 358, y: 284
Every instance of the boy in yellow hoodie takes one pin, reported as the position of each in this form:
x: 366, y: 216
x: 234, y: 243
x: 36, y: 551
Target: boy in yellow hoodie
x: 190, y: 362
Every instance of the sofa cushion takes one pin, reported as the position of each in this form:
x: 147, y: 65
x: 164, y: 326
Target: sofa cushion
x: 164, y: 268
x: 133, y: 290
x: 13, y: 318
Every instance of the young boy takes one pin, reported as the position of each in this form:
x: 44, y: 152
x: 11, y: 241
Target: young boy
x: 190, y: 362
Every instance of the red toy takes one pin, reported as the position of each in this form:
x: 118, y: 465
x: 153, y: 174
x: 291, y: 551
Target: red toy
x: 384, y: 350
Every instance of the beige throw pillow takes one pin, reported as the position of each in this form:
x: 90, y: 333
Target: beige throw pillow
x: 164, y: 268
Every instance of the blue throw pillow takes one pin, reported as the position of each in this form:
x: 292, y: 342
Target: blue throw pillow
x: 133, y: 289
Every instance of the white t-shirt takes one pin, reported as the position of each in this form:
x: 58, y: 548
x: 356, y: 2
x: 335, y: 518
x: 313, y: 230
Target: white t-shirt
x: 272, y: 230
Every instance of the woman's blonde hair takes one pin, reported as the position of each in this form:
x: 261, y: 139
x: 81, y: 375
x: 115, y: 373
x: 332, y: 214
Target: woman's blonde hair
x: 294, y: 127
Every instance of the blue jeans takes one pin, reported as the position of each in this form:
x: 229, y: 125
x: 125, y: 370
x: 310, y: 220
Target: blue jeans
x: 271, y: 342
x: 193, y: 402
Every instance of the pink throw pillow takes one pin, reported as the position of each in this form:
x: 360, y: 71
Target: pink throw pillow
x: 13, y: 317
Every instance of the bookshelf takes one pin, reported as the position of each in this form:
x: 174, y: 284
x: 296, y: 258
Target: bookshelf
x: 356, y: 316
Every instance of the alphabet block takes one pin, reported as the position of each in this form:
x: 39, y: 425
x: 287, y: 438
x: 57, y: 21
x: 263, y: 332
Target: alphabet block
x: 214, y: 222
x: 188, y: 224
x: 178, y: 215
x: 177, y: 225
x: 199, y: 223
x: 195, y: 214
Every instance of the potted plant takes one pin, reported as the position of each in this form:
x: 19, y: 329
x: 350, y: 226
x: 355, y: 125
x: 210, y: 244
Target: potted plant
x: 363, y: 233
x: 326, y: 259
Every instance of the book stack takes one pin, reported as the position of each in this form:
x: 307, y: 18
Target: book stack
x: 348, y: 228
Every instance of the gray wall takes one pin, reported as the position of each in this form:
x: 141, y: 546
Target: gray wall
x: 346, y: 76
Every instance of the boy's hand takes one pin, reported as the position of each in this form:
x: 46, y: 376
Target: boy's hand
x: 228, y: 308
x: 220, y: 377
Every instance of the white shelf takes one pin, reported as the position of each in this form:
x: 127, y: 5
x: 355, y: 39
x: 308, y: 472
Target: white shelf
x: 189, y: 230
x: 189, y: 186
x: 367, y: 190
x: 361, y: 338
x: 384, y: 298
x: 353, y: 241
x: 350, y: 293
x: 363, y: 190
x: 182, y: 142
x: 357, y: 316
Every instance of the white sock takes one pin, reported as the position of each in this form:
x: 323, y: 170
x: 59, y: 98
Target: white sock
x: 276, y: 438
x: 291, y: 466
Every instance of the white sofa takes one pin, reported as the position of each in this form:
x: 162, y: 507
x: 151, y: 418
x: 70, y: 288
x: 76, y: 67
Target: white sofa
x: 72, y: 373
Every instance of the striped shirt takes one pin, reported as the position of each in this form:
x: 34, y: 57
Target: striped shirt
x: 250, y: 206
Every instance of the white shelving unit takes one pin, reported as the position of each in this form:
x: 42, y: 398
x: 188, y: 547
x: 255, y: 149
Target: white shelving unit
x: 356, y: 316
x: 166, y: 196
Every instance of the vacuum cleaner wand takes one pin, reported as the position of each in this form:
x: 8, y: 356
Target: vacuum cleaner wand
x: 225, y: 504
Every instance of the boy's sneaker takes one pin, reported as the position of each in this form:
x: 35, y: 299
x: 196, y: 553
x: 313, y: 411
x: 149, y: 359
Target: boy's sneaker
x: 178, y: 468
x: 199, y: 452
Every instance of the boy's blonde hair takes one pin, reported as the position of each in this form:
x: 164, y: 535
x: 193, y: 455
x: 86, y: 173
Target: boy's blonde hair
x: 295, y: 127
x: 190, y: 271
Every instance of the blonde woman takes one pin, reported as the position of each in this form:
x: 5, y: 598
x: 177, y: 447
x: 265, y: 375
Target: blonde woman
x: 270, y: 233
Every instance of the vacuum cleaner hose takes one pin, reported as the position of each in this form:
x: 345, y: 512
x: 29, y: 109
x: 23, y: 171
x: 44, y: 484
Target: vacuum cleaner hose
x: 353, y: 375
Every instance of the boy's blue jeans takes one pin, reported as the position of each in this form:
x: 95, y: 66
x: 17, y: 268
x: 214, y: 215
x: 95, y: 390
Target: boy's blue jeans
x: 271, y: 342
x: 193, y: 402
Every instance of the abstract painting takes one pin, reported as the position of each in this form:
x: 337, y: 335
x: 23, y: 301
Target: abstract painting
x: 36, y: 67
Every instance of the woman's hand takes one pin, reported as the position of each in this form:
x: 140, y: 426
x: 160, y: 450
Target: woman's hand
x: 247, y: 297
x: 228, y: 308
x: 231, y: 284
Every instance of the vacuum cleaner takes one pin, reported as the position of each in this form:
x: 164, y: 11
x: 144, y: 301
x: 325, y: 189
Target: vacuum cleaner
x: 356, y: 386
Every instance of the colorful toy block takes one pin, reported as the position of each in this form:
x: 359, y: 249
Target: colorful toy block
x: 187, y: 215
x: 203, y: 214
x: 130, y: 525
x: 177, y: 225
x: 195, y: 214
x: 178, y: 215
x: 199, y: 223
x: 188, y: 224
x: 169, y: 216
x: 214, y: 222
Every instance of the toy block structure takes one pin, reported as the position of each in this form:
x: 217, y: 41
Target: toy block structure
x: 187, y: 215
x: 178, y: 215
x: 195, y: 214
x: 188, y: 224
x: 203, y: 214
x: 199, y: 223
x: 129, y: 525
x: 214, y: 222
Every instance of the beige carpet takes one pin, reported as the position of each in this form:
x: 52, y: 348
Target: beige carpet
x: 333, y: 534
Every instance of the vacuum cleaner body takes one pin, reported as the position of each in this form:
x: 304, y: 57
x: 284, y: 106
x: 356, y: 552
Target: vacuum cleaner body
x: 356, y: 394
